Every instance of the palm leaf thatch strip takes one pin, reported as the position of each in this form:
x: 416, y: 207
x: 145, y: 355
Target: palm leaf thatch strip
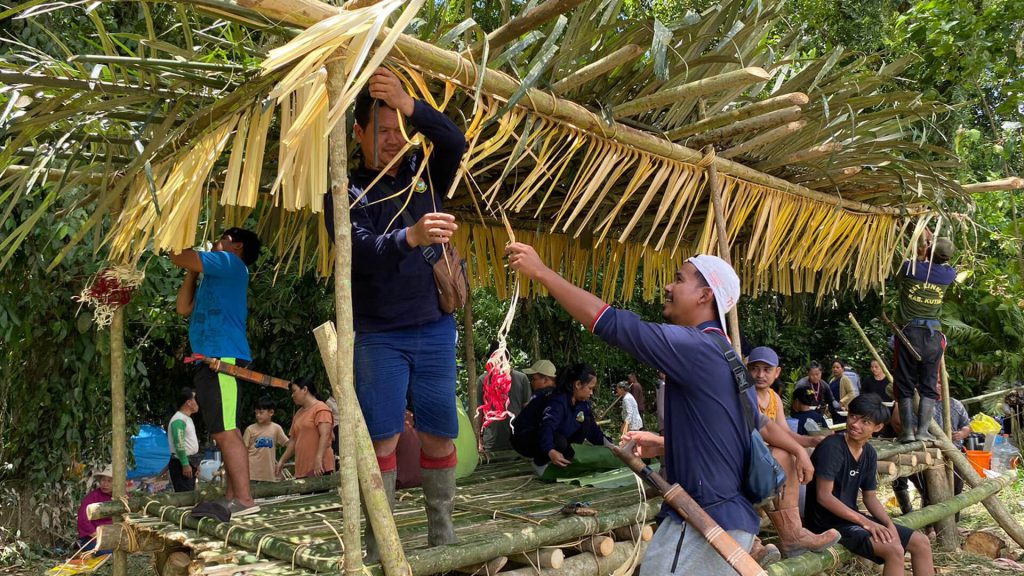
x: 591, y: 71
x: 742, y: 78
x: 798, y: 99
x: 450, y: 66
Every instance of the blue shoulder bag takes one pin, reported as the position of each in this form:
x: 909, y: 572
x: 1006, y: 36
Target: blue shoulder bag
x: 765, y: 476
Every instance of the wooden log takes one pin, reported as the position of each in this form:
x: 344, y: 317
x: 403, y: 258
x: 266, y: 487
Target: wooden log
x: 115, y: 537
x: 798, y: 99
x: 634, y: 532
x: 996, y: 508
x: 703, y: 87
x: 489, y: 568
x: 119, y: 436
x: 939, y: 490
x: 1011, y: 183
x: 541, y: 558
x: 812, y: 153
x: 902, y: 472
x: 767, y: 138
x: 888, y: 449
x: 947, y: 417
x: 177, y: 564
x: 600, y: 545
x: 827, y: 561
x: 439, y: 62
x: 984, y: 544
x: 904, y: 459
x: 211, y: 492
x: 755, y: 124
x: 887, y: 468
x: 624, y: 556
x: 600, y: 67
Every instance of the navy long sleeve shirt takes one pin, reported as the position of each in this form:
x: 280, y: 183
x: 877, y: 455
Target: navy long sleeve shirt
x: 392, y: 283
x: 575, y: 422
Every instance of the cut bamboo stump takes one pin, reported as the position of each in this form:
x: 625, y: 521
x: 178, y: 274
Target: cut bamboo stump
x: 904, y: 472
x: 905, y: 459
x: 634, y: 533
x: 887, y: 468
x: 939, y: 490
x: 115, y: 537
x: 552, y: 558
x: 176, y: 565
x: 600, y: 545
x: 984, y: 544
x: 827, y: 561
x: 489, y: 568
x: 625, y: 556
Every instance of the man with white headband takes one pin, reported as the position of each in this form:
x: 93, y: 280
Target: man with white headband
x: 706, y: 443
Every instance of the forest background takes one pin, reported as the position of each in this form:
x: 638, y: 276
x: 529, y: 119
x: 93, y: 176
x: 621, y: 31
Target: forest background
x: 54, y: 376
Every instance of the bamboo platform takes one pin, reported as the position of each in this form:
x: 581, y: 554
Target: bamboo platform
x: 500, y: 512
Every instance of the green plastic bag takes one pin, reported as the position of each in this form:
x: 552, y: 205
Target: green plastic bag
x: 465, y: 445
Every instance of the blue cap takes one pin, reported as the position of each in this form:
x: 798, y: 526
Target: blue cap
x: 763, y: 354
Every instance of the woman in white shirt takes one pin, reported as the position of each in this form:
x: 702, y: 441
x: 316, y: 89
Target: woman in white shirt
x: 631, y: 420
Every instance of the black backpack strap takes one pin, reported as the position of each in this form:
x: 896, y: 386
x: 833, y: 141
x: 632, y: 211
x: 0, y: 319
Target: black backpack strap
x: 742, y: 378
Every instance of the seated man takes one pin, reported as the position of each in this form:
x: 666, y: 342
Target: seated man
x: 803, y: 410
x: 845, y: 465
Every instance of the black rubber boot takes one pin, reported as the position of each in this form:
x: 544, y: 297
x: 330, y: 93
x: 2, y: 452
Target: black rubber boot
x: 907, y: 421
x: 903, y: 498
x: 439, y: 493
x: 925, y: 413
x: 372, y: 551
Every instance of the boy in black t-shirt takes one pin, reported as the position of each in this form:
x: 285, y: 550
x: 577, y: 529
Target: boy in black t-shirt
x: 846, y: 464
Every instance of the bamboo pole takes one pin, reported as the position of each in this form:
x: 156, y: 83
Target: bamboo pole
x: 947, y: 417
x: 540, y: 558
x: 871, y: 348
x: 730, y: 80
x: 887, y: 449
x: 342, y: 382
x: 887, y: 468
x: 634, y: 532
x: 453, y: 67
x: 210, y: 491
x: 723, y: 241
x: 597, y: 68
x: 939, y: 490
x: 157, y: 62
x: 379, y: 514
x: 994, y: 506
x: 1011, y: 183
x: 489, y: 568
x: 118, y: 436
x: 909, y: 459
x: 471, y: 388
x: 600, y: 545
x: 812, y: 153
x: 829, y: 560
x: 624, y: 555
x: 757, y: 123
x: 903, y: 472
x: 525, y: 22
x: 798, y: 99
x: 766, y: 138
x: 983, y: 397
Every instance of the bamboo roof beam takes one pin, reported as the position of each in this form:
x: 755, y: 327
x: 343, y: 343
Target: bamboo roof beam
x: 597, y: 68
x: 750, y: 110
x: 812, y: 153
x: 764, y: 139
x: 525, y: 22
x: 1011, y: 183
x: 754, y: 124
x: 823, y: 175
x: 452, y: 66
x: 158, y: 62
x: 703, y: 87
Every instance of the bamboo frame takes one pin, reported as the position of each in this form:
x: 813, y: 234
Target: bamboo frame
x: 118, y: 438
x: 627, y: 53
x: 798, y: 99
x: 737, y: 79
x: 1011, y: 183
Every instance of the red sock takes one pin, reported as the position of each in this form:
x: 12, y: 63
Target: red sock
x: 448, y: 461
x: 388, y: 463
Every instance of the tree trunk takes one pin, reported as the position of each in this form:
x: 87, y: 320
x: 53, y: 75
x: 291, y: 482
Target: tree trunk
x: 939, y: 490
x: 118, y: 439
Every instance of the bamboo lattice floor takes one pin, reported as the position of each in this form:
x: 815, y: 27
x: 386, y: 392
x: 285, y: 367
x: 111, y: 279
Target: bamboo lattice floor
x: 500, y: 510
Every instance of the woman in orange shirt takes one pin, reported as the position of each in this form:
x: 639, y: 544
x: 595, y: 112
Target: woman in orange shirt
x: 311, y: 433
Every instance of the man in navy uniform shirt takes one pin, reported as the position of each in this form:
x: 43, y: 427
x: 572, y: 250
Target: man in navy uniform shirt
x: 405, y: 343
x: 707, y: 443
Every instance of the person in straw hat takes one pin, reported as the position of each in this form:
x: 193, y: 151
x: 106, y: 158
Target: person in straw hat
x: 104, y: 480
x: 706, y: 442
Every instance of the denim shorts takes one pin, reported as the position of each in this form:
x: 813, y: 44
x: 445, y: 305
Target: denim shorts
x: 414, y: 364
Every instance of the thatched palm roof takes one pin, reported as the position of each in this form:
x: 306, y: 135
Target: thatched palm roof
x: 596, y: 159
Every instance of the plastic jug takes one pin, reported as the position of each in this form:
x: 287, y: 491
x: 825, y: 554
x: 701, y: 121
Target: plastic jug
x: 1003, y: 456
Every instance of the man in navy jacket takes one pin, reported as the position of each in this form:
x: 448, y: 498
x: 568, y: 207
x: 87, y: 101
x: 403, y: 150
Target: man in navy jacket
x: 405, y: 344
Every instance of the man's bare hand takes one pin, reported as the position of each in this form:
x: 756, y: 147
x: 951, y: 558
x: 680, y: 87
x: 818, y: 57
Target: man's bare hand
x: 646, y: 444
x: 524, y: 259
x: 804, y: 468
x: 385, y: 86
x: 433, y: 228
x: 557, y: 458
x: 186, y: 471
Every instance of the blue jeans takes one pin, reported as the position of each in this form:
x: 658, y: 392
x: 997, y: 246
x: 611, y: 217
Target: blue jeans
x: 415, y: 363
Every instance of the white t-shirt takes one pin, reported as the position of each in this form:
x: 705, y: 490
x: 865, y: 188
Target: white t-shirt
x: 189, y: 440
x: 631, y: 413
